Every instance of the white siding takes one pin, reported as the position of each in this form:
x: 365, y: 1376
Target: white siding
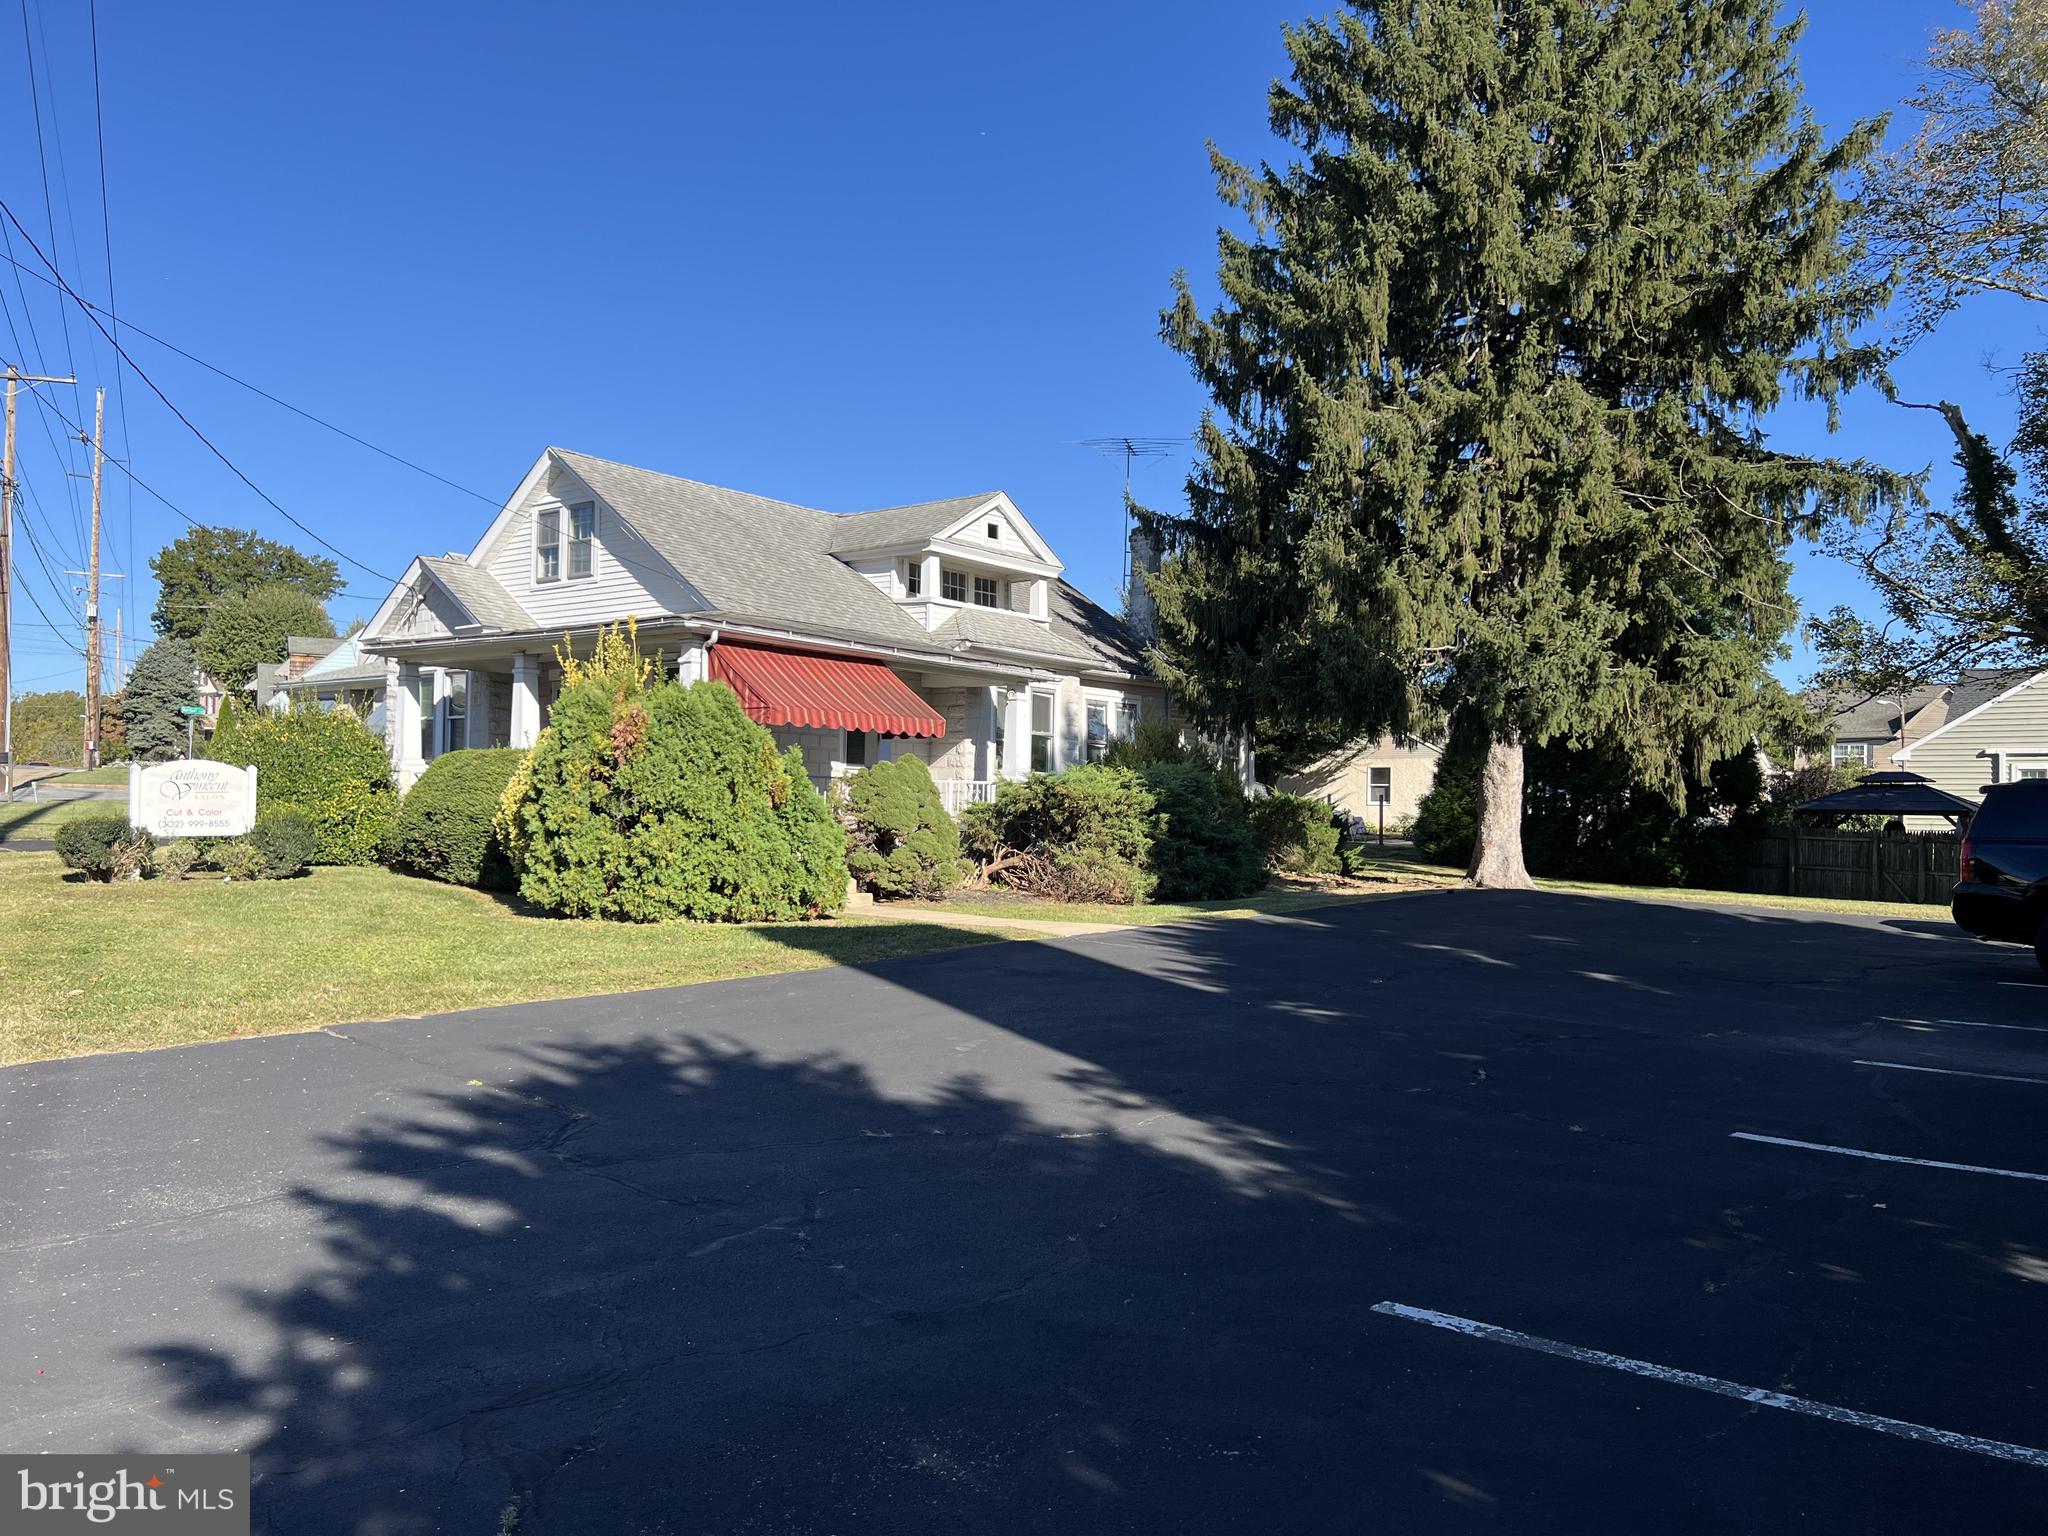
x: 1007, y: 539
x: 627, y: 576
x: 1979, y: 751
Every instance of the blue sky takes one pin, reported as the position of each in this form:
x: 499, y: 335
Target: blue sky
x: 847, y: 256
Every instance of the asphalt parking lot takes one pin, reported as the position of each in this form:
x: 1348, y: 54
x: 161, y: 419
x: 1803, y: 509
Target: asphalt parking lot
x: 1448, y: 1212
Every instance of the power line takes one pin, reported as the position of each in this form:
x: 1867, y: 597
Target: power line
x: 190, y: 425
x: 257, y: 389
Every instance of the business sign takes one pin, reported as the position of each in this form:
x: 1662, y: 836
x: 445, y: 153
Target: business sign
x: 190, y: 798
x: 197, y: 1495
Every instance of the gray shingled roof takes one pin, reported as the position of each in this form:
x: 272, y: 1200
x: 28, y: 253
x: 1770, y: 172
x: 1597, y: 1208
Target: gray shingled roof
x: 1876, y: 719
x: 480, y: 592
x: 757, y: 560
x: 890, y: 526
x: 1978, y: 686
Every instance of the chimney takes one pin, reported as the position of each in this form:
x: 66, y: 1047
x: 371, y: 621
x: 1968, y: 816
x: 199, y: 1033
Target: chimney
x: 1138, y: 610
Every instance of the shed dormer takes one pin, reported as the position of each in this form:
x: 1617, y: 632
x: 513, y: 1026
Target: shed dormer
x: 938, y: 558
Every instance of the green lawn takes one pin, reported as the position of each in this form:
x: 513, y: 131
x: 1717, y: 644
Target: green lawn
x: 25, y: 820
x: 1002, y: 904
x: 111, y: 774
x: 87, y: 967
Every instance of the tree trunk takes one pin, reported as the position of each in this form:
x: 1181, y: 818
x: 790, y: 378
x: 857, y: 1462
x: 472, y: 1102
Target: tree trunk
x: 1497, y: 850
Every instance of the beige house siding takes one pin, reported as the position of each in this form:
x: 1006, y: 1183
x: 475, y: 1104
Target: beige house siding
x: 1344, y: 778
x: 1989, y: 746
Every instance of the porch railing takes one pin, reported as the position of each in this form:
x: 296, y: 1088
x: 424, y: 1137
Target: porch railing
x: 957, y: 794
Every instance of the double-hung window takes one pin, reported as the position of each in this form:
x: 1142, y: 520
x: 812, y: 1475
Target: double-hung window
x: 1098, y: 730
x: 547, y: 544
x: 1379, y: 786
x: 1041, y: 733
x: 426, y: 698
x: 953, y: 586
x: 984, y: 591
x: 913, y: 579
x: 457, y: 715
x: 582, y: 538
x: 1852, y: 754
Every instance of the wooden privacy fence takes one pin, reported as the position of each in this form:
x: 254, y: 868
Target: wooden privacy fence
x: 1851, y: 866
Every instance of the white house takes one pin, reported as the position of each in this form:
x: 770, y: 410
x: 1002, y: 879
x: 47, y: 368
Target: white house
x: 941, y: 630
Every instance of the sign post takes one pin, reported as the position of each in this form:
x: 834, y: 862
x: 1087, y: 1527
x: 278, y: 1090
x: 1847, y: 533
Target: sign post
x: 191, y: 712
x: 192, y: 799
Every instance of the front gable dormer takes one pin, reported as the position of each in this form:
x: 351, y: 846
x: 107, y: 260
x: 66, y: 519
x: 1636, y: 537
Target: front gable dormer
x: 973, y: 552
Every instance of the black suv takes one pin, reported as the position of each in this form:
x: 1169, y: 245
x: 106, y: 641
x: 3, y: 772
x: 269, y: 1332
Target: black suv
x: 2003, y: 890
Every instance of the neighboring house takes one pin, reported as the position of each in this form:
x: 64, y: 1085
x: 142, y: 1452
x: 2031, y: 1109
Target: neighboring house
x: 302, y: 652
x: 1996, y: 730
x: 343, y: 677
x: 1869, y: 734
x: 940, y: 630
x: 1361, y: 778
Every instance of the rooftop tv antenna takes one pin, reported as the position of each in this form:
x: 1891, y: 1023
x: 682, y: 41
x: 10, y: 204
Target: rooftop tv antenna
x: 1130, y: 450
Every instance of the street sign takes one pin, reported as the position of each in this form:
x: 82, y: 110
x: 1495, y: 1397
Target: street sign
x: 190, y: 709
x: 192, y: 799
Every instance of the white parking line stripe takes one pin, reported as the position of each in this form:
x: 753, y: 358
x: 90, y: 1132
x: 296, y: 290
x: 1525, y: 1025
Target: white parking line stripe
x: 2032, y: 1029
x: 1887, y: 1157
x: 1762, y: 1397
x: 1996, y: 1077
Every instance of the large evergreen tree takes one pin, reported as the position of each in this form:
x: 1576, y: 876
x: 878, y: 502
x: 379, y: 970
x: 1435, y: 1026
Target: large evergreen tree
x: 1489, y: 372
x: 163, y: 680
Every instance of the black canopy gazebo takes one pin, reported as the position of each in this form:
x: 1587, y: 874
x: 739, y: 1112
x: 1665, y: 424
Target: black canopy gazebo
x: 1891, y: 793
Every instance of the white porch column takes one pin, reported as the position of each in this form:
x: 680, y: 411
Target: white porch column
x: 525, y: 724
x: 1016, y: 761
x: 402, y: 718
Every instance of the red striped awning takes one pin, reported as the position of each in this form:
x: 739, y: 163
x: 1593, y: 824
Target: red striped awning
x: 790, y: 688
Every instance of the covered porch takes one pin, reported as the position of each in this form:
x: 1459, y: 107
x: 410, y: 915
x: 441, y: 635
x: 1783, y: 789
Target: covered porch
x: 973, y: 725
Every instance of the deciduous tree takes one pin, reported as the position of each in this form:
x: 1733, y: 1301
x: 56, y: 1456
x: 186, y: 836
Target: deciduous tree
x: 194, y: 573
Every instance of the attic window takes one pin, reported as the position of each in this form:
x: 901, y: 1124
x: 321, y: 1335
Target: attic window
x: 953, y: 586
x: 984, y: 591
x: 582, y: 537
x: 913, y: 579
x: 547, y: 545
x: 995, y: 530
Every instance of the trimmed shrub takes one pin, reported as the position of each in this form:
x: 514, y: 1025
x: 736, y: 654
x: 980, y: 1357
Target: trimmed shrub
x: 899, y: 839
x: 648, y: 801
x: 179, y: 857
x: 284, y: 840
x: 1203, y: 849
x: 1296, y: 835
x: 445, y: 822
x: 103, y: 846
x: 1447, y: 820
x: 324, y: 763
x: 237, y: 858
x: 1082, y: 835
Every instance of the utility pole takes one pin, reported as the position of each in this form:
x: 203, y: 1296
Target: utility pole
x: 92, y: 589
x: 15, y: 378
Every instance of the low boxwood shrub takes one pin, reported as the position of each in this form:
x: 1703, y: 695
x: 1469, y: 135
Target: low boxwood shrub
x: 1297, y: 835
x: 1082, y: 835
x: 650, y: 800
x: 284, y: 839
x: 103, y: 846
x: 899, y: 839
x: 323, y: 762
x: 445, y: 828
x: 1203, y: 848
x: 179, y: 857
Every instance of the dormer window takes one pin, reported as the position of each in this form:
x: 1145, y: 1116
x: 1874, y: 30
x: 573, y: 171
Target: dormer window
x: 913, y: 579
x: 953, y: 586
x: 984, y: 591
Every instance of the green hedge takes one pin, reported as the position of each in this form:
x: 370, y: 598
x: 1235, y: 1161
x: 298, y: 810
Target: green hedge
x: 1296, y: 835
x: 102, y: 846
x: 644, y: 802
x: 1202, y: 848
x: 899, y: 839
x: 445, y: 822
x: 323, y: 763
x: 1082, y: 835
